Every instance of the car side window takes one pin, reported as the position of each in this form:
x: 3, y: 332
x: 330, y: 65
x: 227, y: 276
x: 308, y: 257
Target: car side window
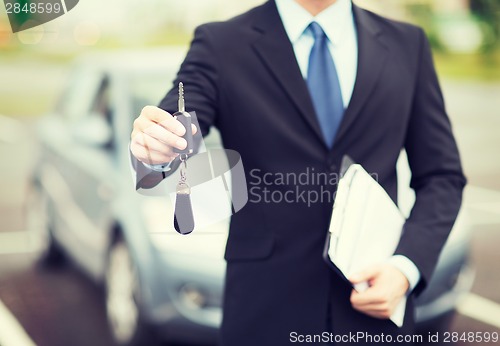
x: 94, y: 128
x: 102, y: 105
x: 102, y: 108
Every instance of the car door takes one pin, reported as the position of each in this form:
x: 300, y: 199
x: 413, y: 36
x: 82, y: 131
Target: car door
x: 79, y: 158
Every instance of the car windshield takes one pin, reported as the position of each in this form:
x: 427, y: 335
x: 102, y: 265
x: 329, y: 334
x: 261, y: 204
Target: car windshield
x: 148, y: 89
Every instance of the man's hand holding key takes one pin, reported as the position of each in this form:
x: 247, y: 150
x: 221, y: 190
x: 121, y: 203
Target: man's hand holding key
x: 155, y: 135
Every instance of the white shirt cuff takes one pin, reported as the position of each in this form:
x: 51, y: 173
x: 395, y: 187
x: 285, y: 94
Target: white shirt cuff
x: 408, y: 268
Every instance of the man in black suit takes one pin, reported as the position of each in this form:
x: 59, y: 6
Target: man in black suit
x: 293, y: 86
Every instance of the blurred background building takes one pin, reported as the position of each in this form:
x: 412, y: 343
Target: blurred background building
x: 464, y: 33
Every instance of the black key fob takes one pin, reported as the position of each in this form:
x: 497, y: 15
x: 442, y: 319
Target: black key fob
x: 185, y: 119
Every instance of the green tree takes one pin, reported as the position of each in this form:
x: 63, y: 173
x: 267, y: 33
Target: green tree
x: 488, y: 11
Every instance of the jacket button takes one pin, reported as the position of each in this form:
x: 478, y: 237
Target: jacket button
x: 332, y: 167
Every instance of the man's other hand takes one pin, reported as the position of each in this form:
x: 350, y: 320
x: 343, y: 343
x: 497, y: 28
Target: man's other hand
x: 155, y: 135
x: 387, y: 286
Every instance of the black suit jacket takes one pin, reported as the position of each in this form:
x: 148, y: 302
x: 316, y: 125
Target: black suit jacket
x: 242, y: 77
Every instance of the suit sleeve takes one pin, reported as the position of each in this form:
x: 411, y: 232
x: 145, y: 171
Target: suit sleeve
x: 437, y: 176
x: 200, y: 77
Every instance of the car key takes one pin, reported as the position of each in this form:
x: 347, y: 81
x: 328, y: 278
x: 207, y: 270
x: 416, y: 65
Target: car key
x: 183, y: 212
x: 185, y: 119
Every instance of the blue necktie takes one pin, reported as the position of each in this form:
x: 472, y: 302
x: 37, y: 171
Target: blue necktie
x: 324, y: 86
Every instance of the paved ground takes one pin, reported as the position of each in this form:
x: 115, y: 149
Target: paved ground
x: 62, y: 307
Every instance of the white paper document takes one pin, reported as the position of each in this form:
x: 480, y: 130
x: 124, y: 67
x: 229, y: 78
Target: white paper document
x: 365, y: 227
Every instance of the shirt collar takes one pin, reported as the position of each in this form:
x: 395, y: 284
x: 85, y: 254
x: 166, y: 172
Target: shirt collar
x: 334, y: 20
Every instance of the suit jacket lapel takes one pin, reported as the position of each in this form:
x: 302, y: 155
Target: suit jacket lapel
x: 372, y: 55
x: 276, y: 51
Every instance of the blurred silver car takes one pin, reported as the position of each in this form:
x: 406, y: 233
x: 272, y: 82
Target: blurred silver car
x: 157, y: 283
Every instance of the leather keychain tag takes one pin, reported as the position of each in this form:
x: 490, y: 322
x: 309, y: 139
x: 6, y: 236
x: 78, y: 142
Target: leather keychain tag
x: 183, y: 212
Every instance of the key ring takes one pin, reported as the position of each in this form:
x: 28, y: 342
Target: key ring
x: 183, y: 168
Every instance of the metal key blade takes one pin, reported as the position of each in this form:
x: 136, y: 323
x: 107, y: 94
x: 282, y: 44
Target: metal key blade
x: 181, y: 98
x: 185, y: 119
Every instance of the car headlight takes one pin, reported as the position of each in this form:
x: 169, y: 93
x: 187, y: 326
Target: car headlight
x: 193, y: 297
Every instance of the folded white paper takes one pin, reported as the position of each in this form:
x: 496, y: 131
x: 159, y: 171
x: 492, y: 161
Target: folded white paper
x: 365, y: 227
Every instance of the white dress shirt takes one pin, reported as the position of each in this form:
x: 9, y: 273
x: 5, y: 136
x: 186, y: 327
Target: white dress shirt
x: 338, y: 24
